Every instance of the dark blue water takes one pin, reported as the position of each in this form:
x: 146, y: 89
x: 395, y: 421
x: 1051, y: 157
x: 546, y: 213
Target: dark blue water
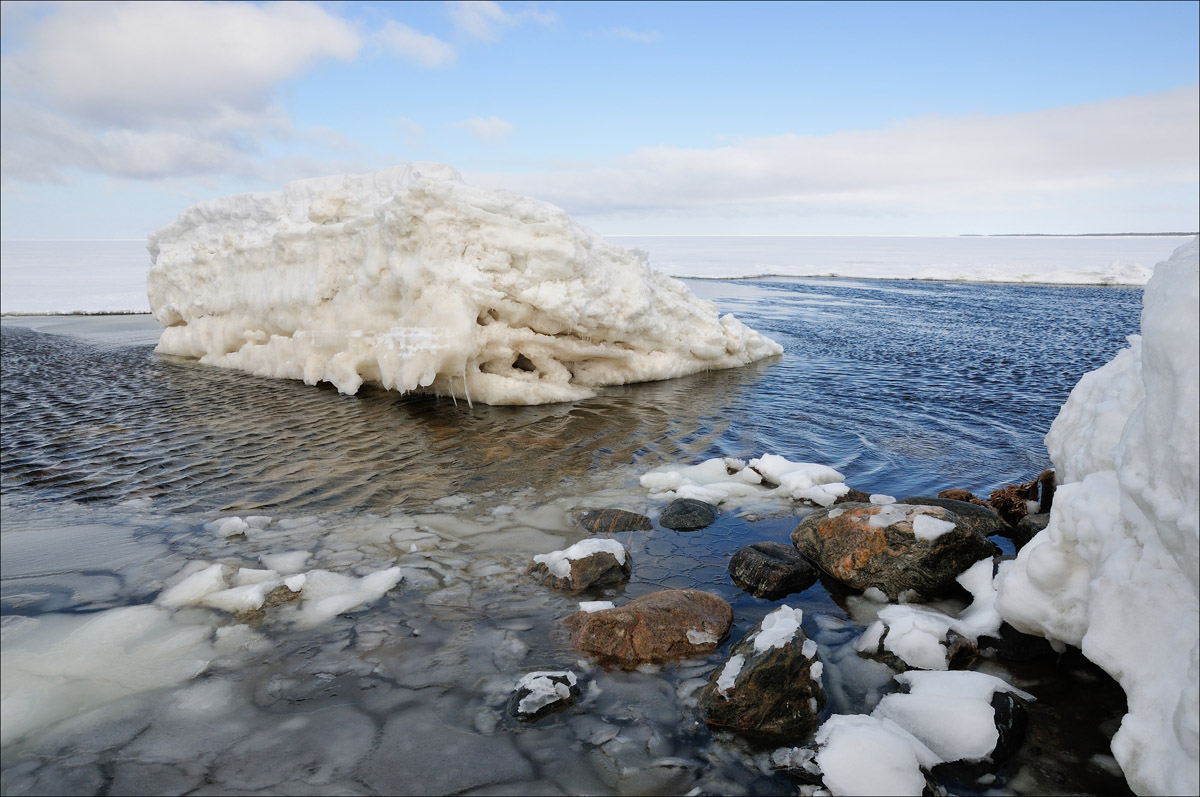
x: 907, y: 388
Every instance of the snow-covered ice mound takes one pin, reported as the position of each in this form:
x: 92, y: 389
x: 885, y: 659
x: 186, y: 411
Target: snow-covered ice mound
x: 411, y: 279
x: 1117, y: 571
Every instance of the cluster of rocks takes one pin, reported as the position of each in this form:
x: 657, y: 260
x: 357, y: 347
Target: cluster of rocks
x: 769, y: 688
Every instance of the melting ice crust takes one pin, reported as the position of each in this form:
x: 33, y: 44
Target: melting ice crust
x: 410, y: 279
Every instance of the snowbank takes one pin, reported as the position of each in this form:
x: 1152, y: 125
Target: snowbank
x: 1117, y: 571
x: 410, y: 279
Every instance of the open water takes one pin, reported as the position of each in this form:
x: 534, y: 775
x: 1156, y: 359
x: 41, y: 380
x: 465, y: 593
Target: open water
x: 114, y: 459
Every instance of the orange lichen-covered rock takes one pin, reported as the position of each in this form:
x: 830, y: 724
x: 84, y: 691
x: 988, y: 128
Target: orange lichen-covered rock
x: 892, y: 547
x: 662, y: 626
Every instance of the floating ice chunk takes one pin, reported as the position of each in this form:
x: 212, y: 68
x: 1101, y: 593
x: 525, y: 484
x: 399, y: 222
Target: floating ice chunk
x: 559, y: 562
x: 326, y: 595
x: 778, y: 628
x: 723, y: 479
x: 595, y: 606
x: 863, y: 754
x: 249, y: 575
x: 65, y: 665
x: 950, y: 712
x: 196, y: 586
x: 410, y: 279
x: 286, y: 562
x: 927, y: 527
x: 227, y: 527
x: 240, y: 599
x: 729, y: 673
x: 543, y: 690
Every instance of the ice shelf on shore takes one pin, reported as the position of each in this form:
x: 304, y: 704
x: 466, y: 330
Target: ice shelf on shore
x: 410, y: 279
x: 1116, y: 572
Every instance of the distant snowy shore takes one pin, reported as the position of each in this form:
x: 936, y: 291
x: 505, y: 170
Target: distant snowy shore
x: 68, y: 277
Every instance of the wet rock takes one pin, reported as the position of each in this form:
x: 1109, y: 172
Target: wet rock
x: 579, y: 567
x: 894, y: 547
x: 542, y: 693
x: 662, y: 626
x: 1029, y: 526
x: 687, y: 514
x: 982, y: 519
x: 771, y: 570
x: 1012, y: 645
x: 770, y: 689
x: 853, y: 496
x: 610, y: 521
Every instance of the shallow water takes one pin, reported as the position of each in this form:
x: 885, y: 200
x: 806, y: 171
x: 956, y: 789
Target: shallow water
x: 114, y: 459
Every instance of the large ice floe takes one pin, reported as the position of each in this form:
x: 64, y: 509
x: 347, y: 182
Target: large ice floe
x: 1116, y: 572
x: 410, y: 279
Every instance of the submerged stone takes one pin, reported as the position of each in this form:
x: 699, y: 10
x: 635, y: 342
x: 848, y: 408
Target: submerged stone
x: 687, y: 514
x: 610, y: 521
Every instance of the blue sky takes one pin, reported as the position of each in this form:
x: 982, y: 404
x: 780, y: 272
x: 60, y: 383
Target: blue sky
x: 637, y: 118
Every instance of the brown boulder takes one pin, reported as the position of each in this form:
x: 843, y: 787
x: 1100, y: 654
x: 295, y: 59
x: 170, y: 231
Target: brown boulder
x: 867, y: 546
x: 663, y: 626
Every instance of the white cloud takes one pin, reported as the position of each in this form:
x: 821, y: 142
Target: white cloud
x: 491, y: 130
x: 926, y: 164
x: 484, y: 19
x: 420, y: 48
x: 152, y: 91
x: 135, y: 63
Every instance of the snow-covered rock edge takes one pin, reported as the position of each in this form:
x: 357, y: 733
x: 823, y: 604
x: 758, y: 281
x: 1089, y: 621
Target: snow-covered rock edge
x: 1117, y: 572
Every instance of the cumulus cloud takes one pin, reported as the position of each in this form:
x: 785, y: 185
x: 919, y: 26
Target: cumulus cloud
x: 484, y: 19
x: 489, y: 130
x: 420, y: 48
x: 134, y: 63
x: 160, y: 90
x: 927, y: 163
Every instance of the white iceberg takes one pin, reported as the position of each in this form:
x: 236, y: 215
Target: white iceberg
x: 410, y: 279
x: 1117, y: 572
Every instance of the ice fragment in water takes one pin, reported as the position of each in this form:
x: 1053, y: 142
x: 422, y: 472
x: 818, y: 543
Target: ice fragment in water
x: 410, y: 279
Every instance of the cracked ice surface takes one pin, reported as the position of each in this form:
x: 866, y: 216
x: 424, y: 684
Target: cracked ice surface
x: 410, y: 279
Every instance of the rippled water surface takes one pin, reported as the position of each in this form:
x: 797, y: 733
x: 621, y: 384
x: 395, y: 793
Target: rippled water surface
x: 115, y: 458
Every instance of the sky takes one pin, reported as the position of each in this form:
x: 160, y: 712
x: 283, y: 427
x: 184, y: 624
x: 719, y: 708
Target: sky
x: 637, y: 118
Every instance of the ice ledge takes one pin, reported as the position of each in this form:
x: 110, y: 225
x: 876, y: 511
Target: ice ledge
x: 410, y: 279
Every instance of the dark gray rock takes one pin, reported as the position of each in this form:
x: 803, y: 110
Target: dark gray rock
x: 539, y: 694
x: 772, y: 570
x: 774, y: 697
x: 610, y: 521
x: 979, y: 518
x: 865, y: 546
x: 1027, y: 527
x: 600, y: 569
x: 687, y: 514
x: 853, y: 496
